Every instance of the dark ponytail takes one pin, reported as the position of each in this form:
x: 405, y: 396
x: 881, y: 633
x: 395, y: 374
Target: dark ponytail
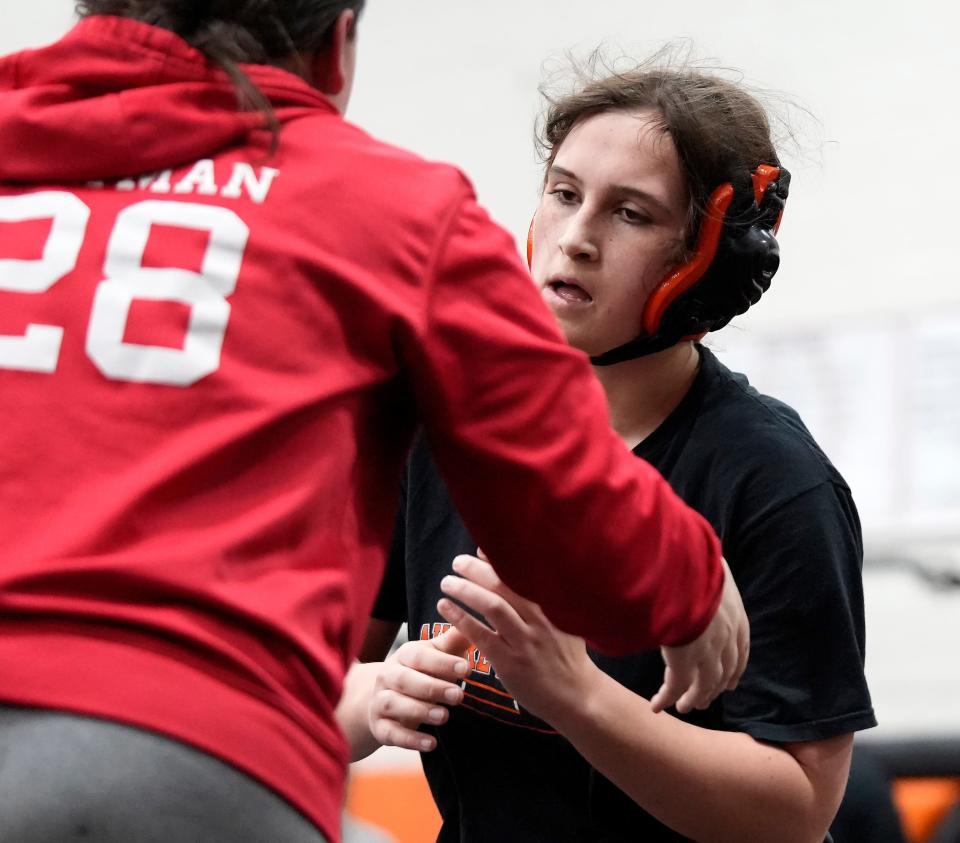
x: 235, y: 32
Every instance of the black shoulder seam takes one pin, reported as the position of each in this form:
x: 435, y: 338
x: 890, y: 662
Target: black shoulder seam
x: 840, y: 486
x: 808, y: 442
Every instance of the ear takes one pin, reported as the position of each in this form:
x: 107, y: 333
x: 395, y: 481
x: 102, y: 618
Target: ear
x: 333, y: 66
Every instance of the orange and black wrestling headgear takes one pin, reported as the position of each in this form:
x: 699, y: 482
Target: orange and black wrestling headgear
x: 733, y: 262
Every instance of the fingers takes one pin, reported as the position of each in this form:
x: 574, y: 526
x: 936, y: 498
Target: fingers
x: 699, y: 672
x: 740, y: 636
x: 394, y: 719
x: 706, y: 686
x: 719, y: 657
x: 423, y: 669
x: 688, y: 688
x: 414, y: 687
x: 479, y: 633
x: 670, y: 691
x: 694, y: 677
x: 498, y: 612
x: 731, y: 663
x: 402, y: 681
x: 453, y: 641
x: 479, y: 570
x: 743, y: 643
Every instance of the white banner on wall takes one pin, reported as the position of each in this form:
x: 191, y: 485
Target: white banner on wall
x: 883, y: 401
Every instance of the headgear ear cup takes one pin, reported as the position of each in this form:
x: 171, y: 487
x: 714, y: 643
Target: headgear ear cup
x: 686, y: 275
x: 530, y: 243
x: 735, y: 258
x: 748, y: 254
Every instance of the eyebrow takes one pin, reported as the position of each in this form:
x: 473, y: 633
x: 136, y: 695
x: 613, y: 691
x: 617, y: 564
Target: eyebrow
x: 634, y: 192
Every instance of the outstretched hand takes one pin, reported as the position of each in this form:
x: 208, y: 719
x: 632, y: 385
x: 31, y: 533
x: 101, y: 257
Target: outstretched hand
x: 700, y: 671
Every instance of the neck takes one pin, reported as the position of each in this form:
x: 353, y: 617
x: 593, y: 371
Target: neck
x: 641, y: 393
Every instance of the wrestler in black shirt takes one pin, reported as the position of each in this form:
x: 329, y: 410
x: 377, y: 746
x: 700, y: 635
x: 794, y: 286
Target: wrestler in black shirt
x: 791, y: 535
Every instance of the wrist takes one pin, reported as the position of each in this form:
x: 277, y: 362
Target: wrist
x: 577, y: 700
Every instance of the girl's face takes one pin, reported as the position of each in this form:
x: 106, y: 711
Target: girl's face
x: 609, y: 227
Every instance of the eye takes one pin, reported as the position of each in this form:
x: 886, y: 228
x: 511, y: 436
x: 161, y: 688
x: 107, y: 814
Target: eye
x: 633, y: 217
x: 564, y: 196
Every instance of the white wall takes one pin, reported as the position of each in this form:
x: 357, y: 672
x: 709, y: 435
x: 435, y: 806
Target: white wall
x: 34, y: 23
x: 872, y: 214
x: 868, y: 226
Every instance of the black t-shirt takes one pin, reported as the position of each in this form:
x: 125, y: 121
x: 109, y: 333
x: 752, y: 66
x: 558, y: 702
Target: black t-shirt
x: 791, y: 535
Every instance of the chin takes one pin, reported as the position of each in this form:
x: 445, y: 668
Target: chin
x: 587, y: 345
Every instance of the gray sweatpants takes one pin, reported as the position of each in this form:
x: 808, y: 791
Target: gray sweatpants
x: 67, y: 778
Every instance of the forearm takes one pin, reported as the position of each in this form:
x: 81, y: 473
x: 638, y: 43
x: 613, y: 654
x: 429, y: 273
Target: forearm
x: 518, y: 425
x: 710, y: 786
x: 352, y: 711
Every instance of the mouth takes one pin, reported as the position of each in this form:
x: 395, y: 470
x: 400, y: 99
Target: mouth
x: 569, y: 291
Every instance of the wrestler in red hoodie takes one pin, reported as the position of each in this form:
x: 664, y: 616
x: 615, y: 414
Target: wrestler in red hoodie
x: 220, y: 325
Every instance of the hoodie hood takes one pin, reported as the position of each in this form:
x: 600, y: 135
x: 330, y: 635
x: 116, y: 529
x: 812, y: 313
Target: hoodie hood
x: 116, y: 97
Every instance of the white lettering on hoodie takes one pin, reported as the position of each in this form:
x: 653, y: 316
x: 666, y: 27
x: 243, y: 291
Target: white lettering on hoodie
x: 201, y: 179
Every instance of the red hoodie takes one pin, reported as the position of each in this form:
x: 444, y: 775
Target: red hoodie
x: 212, y: 361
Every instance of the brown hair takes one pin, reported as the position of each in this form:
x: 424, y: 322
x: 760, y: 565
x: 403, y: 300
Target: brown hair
x: 719, y: 130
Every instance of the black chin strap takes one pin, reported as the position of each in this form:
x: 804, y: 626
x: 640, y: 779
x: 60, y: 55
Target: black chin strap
x: 639, y: 347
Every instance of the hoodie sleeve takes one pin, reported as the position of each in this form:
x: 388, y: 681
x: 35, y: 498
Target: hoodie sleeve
x: 518, y: 425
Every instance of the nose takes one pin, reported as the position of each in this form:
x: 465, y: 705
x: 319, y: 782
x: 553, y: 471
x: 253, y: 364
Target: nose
x: 577, y: 241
